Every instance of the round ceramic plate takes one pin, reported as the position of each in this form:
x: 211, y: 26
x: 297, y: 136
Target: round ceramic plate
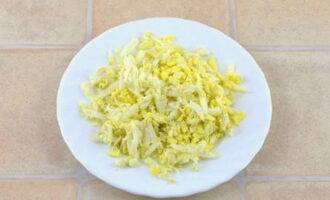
x: 236, y: 151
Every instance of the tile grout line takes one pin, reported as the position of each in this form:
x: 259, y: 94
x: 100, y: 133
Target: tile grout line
x: 79, y: 190
x: 81, y: 183
x: 13, y: 47
x: 89, y: 21
x: 287, y: 48
x: 81, y: 178
x: 233, y: 19
x: 239, y: 179
x: 251, y: 48
x: 286, y: 178
x: 241, y: 184
x: 69, y: 176
x: 242, y: 177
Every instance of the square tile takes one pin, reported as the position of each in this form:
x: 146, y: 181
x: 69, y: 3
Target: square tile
x: 288, y: 190
x: 38, y: 190
x: 30, y: 138
x: 97, y: 190
x: 109, y: 13
x: 46, y: 22
x: 283, y: 22
x: 298, y: 142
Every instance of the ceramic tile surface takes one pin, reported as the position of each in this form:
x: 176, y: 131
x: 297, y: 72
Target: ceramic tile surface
x: 298, y: 140
x: 290, y: 40
x: 38, y: 189
x: 30, y: 138
x: 288, y: 190
x: 97, y: 190
x: 60, y: 22
x: 283, y: 22
x: 109, y: 13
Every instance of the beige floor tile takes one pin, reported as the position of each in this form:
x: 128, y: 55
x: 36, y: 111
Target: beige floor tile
x: 109, y: 13
x: 288, y: 190
x: 97, y: 190
x: 298, y: 142
x: 38, y: 190
x: 30, y: 138
x: 283, y: 22
x: 60, y: 22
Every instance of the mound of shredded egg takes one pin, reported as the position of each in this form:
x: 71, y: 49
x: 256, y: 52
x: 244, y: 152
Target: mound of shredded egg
x: 158, y: 104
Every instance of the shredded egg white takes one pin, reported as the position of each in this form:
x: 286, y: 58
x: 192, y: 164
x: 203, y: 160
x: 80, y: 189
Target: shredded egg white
x: 158, y: 104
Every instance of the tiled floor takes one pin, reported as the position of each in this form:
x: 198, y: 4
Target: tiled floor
x: 96, y: 190
x: 290, y: 39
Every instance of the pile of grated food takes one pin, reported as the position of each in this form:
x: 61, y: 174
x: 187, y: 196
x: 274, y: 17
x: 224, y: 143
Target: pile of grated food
x: 158, y: 104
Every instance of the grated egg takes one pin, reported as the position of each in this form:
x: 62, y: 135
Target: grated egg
x: 161, y: 105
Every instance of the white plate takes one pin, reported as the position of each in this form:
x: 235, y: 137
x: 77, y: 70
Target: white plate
x: 237, y: 151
